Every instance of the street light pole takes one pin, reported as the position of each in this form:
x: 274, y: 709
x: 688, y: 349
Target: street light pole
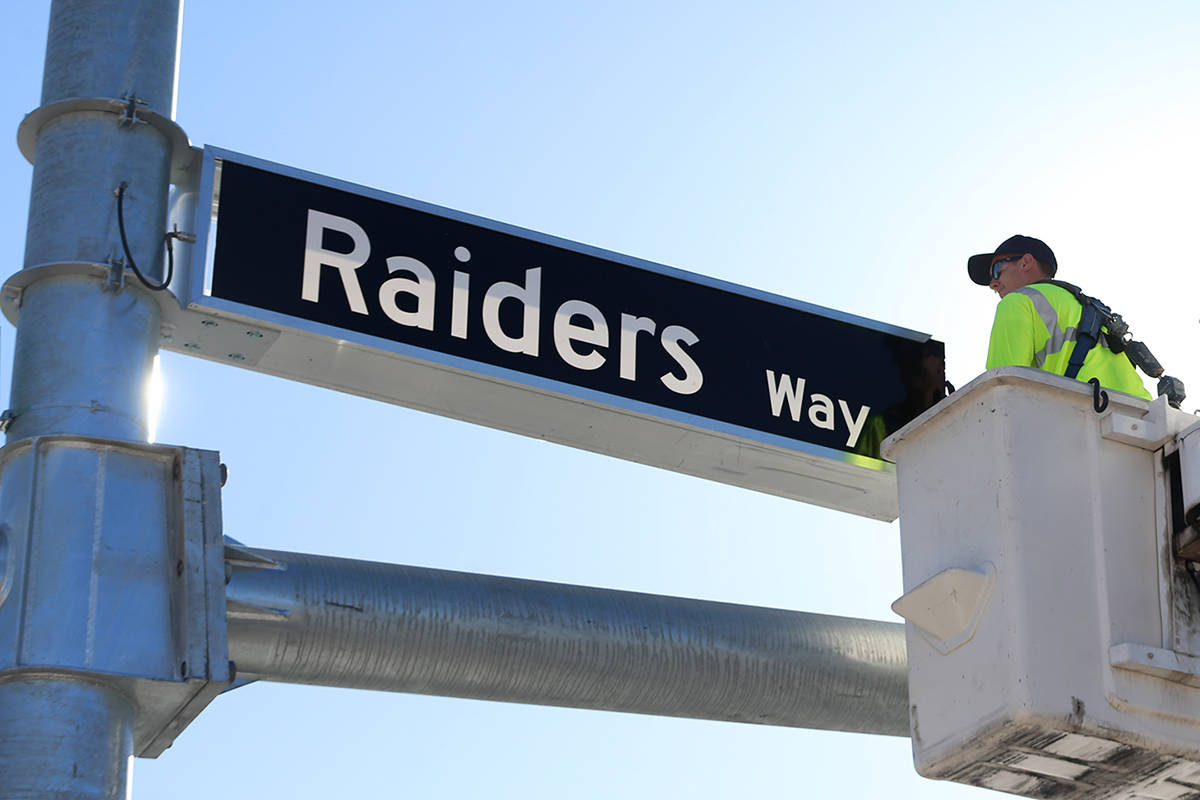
x: 82, y: 516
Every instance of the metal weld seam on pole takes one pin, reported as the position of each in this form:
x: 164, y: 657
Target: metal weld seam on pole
x: 338, y: 622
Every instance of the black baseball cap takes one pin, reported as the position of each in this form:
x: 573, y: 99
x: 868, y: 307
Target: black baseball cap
x: 980, y: 267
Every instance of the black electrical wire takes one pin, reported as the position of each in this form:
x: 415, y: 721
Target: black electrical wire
x: 157, y: 287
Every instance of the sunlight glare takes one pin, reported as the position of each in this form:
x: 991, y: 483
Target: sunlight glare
x: 154, y: 400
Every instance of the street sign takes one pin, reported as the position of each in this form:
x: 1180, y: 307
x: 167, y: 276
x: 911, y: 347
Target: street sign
x: 347, y: 287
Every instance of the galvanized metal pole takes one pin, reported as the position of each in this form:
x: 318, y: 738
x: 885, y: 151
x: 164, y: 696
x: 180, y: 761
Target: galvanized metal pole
x: 82, y: 355
x: 85, y: 343
x: 336, y: 622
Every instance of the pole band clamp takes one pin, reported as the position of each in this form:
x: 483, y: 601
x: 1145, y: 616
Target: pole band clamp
x: 127, y: 111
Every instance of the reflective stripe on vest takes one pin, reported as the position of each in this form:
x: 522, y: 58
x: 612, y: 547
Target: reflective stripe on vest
x: 1058, y: 338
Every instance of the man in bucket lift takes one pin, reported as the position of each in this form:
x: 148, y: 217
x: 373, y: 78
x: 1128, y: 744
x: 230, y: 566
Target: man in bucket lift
x: 1052, y: 325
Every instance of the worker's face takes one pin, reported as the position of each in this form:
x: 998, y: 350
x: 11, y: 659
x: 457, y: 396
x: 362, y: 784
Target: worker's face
x: 1011, y: 271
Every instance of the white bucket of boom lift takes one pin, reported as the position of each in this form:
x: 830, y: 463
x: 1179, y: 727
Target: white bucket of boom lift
x: 1053, y: 634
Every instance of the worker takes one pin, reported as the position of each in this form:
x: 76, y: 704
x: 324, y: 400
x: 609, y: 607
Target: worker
x: 1037, y: 318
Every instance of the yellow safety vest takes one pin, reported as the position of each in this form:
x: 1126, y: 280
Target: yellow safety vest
x: 1035, y: 327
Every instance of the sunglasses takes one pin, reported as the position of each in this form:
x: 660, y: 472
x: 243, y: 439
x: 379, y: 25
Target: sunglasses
x: 997, y: 266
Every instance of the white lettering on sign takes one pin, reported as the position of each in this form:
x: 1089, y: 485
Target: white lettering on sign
x: 422, y: 289
x: 784, y: 390
x: 566, y: 332
x: 462, y: 292
x: 316, y: 256
x: 528, y: 296
x: 692, y: 378
x: 580, y: 329
x: 630, y: 327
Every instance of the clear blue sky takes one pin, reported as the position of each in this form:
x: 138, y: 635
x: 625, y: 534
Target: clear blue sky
x: 848, y: 155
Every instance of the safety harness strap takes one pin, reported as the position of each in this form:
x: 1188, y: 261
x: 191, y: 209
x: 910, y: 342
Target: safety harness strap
x: 1093, y: 317
x: 1085, y: 340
